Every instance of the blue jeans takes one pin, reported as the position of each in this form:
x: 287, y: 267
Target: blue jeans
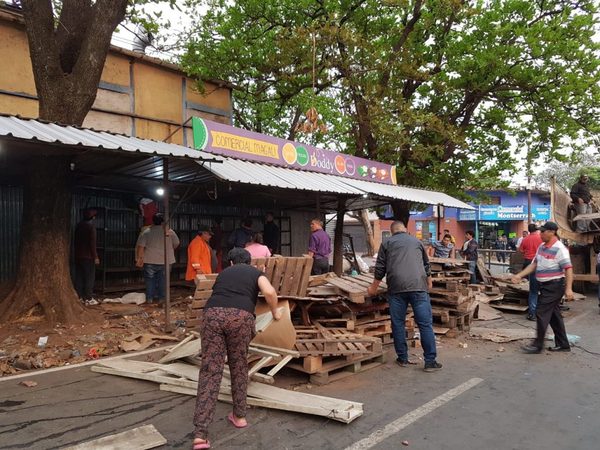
x: 534, y: 289
x: 154, y: 276
x: 421, y: 306
x: 473, y: 270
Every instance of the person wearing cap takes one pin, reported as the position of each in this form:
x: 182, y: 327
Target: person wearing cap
x: 582, y: 198
x: 554, y: 274
x: 150, y: 255
x: 529, y: 248
x: 199, y: 254
x: 86, y: 256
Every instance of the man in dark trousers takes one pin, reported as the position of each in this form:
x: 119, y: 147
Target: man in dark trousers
x: 319, y: 247
x: 403, y: 261
x: 582, y: 198
x: 86, y: 257
x: 271, y: 234
x: 554, y: 273
x: 469, y: 252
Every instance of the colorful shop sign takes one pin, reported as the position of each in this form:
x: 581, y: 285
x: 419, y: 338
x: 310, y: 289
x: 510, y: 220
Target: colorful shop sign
x: 226, y: 140
x: 504, y: 213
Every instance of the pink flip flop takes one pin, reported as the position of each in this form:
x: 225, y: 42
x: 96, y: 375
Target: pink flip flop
x: 202, y: 445
x: 235, y: 422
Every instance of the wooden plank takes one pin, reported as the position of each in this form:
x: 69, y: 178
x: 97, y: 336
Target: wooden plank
x: 509, y: 307
x: 203, y: 295
x: 305, y: 277
x: 296, y: 276
x: 141, y: 438
x: 288, y: 277
x: 190, y: 348
x: 199, y: 304
x: 278, y: 271
x: 345, y: 414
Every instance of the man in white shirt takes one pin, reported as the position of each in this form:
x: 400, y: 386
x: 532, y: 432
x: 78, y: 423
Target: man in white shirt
x: 554, y: 273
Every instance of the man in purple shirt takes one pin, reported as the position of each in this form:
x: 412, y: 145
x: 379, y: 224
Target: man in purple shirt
x: 319, y: 247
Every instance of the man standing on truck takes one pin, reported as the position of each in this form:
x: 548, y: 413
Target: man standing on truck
x: 582, y: 199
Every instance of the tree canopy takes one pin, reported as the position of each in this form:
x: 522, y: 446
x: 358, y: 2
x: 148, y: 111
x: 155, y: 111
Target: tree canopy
x: 444, y: 89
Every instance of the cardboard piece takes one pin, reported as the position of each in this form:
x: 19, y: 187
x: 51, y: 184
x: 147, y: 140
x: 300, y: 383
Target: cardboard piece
x: 280, y: 333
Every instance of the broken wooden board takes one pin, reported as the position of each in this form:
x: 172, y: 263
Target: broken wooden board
x: 486, y: 312
x: 280, y: 333
x: 509, y: 307
x: 440, y: 330
x: 143, y: 341
x: 501, y: 334
x: 355, y: 287
x: 140, y: 438
x: 339, y: 410
x: 183, y: 378
x: 188, y: 348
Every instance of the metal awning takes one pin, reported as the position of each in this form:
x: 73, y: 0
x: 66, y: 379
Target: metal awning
x: 249, y: 172
x: 52, y: 133
x: 201, y: 167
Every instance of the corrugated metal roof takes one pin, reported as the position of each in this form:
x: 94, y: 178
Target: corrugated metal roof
x: 249, y: 172
x: 229, y: 169
x: 36, y: 130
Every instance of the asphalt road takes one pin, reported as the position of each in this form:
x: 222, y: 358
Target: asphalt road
x: 513, y: 401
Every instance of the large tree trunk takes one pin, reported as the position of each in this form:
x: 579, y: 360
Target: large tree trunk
x: 401, y: 209
x: 43, y: 277
x: 67, y: 56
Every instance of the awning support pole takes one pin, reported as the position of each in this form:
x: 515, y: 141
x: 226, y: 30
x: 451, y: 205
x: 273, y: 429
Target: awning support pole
x: 338, y: 239
x: 165, y: 242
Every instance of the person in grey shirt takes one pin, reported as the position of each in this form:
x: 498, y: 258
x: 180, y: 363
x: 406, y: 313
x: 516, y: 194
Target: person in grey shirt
x: 150, y: 254
x: 403, y: 261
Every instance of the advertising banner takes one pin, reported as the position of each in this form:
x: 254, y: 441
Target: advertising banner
x: 505, y: 213
x: 237, y: 143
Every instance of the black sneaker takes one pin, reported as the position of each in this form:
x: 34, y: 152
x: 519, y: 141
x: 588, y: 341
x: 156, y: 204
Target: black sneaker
x: 405, y: 363
x: 432, y: 366
x: 530, y: 317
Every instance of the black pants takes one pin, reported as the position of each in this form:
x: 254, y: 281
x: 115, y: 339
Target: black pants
x: 85, y: 275
x: 320, y: 265
x: 548, y: 312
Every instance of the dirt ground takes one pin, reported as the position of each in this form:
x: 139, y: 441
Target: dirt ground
x: 114, y: 327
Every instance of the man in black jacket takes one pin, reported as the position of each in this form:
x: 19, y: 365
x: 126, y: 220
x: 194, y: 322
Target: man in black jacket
x: 581, y: 196
x: 403, y: 261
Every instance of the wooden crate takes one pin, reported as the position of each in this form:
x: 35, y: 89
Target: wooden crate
x: 288, y: 275
x: 355, y: 288
x: 319, y: 341
x: 326, y: 370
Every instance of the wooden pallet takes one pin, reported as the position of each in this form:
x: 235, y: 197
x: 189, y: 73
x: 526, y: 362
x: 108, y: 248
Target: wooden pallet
x: 319, y: 341
x: 331, y: 369
x: 288, y: 275
x: 355, y: 288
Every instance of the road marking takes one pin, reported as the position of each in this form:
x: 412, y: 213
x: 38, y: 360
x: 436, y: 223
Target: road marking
x: 408, y: 419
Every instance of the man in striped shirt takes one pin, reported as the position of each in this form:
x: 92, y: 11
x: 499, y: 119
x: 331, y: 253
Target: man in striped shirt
x: 554, y: 273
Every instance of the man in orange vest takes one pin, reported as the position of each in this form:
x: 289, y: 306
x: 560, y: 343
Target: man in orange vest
x: 199, y: 254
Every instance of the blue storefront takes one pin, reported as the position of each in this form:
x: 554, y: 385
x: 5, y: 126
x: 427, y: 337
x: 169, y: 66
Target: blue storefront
x: 498, y: 213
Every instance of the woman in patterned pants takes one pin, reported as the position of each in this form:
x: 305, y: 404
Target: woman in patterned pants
x: 227, y: 329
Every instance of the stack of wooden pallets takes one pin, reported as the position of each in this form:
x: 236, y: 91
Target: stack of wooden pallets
x: 329, y: 354
x: 453, y: 300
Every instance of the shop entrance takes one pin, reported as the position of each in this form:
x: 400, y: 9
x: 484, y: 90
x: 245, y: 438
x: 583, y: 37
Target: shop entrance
x: 490, y: 231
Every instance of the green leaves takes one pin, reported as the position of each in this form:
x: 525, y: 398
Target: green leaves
x: 450, y: 92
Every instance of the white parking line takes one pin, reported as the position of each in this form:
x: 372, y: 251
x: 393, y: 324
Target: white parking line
x: 407, y: 419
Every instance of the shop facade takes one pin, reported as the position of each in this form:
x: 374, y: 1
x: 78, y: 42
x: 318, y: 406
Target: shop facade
x: 500, y: 213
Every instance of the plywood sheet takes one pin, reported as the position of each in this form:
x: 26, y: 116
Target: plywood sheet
x: 140, y: 438
x: 279, y: 333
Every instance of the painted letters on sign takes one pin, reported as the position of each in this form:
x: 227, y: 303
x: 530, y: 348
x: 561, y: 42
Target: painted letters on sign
x: 234, y: 142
